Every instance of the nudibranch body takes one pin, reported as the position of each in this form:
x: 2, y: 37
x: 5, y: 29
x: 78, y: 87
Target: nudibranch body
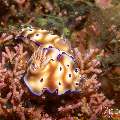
x: 51, y: 66
x: 45, y: 39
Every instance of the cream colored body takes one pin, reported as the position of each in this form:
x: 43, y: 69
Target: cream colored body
x: 49, y: 67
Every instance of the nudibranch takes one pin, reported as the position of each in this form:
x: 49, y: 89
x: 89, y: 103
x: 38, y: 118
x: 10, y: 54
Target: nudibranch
x: 52, y: 66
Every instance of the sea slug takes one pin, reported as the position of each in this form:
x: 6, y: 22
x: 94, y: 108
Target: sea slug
x: 52, y: 66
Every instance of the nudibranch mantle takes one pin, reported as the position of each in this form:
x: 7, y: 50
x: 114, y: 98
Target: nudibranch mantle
x: 51, y: 66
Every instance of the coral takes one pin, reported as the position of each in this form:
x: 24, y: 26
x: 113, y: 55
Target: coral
x: 17, y: 100
x: 12, y: 67
x: 4, y: 38
x: 14, y: 95
x: 88, y: 62
x: 92, y: 102
x: 92, y: 27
